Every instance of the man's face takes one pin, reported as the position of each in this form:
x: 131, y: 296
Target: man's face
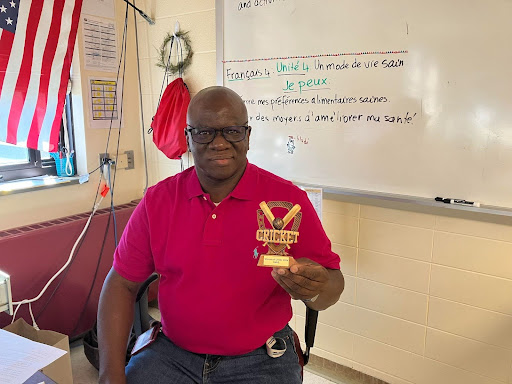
x: 219, y: 160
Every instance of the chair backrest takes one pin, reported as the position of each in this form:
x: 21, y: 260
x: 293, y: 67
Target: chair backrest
x: 142, y: 320
x: 310, y: 331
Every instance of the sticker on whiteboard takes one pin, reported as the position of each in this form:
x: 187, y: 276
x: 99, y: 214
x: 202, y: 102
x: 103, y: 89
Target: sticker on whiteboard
x: 290, y: 145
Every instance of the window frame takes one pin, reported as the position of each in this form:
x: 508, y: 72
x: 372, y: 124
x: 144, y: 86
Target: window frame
x: 36, y: 166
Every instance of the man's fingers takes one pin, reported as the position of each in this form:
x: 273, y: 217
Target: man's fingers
x: 301, y: 278
x: 303, y: 290
x: 313, y: 272
x: 295, y: 290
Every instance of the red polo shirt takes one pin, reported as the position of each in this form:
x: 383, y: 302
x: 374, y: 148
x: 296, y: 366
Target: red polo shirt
x: 212, y: 296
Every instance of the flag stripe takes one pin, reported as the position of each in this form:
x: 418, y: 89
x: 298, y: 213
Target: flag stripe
x: 6, y: 39
x: 20, y: 90
x: 55, y: 77
x: 42, y: 96
x: 34, y: 70
x: 43, y: 37
x: 68, y: 58
x: 13, y: 69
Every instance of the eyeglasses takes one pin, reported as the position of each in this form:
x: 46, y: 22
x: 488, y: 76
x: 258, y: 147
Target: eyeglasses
x: 232, y: 134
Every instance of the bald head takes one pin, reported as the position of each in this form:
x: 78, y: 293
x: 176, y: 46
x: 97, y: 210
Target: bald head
x: 216, y: 103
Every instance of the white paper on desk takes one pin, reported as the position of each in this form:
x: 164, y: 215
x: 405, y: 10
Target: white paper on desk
x: 20, y: 358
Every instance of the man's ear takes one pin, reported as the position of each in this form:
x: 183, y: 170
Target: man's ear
x: 186, y: 137
x: 248, y: 137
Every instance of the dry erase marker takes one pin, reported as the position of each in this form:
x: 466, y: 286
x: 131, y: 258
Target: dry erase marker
x: 458, y: 201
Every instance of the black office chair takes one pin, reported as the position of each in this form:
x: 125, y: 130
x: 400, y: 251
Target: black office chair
x: 142, y: 320
x: 310, y: 331
x: 141, y: 323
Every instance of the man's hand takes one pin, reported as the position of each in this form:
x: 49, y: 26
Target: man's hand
x: 304, y: 280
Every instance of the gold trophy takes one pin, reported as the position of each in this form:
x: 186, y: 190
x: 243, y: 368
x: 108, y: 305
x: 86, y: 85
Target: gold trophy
x: 277, y: 238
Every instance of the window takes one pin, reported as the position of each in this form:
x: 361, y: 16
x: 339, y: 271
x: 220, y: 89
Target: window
x: 21, y: 163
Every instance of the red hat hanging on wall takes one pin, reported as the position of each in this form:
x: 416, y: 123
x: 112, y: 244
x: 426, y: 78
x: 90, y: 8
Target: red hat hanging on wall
x: 170, y: 119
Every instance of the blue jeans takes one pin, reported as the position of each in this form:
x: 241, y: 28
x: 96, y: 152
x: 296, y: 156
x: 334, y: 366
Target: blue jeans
x: 164, y: 362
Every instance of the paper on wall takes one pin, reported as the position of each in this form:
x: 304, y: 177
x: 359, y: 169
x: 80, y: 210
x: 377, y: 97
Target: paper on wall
x: 100, y: 44
x: 104, y: 102
x: 315, y: 196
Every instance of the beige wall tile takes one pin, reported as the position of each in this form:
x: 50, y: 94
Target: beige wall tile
x: 473, y: 253
x: 292, y: 324
x: 468, y: 354
x: 168, y: 8
x: 379, y: 374
x: 400, y: 240
x: 390, y: 330
x: 298, y: 307
x: 396, y: 216
x: 348, y: 257
x: 471, y: 288
x: 156, y: 77
x: 471, y: 322
x: 156, y: 35
x: 341, y: 207
x: 397, y: 271
x: 334, y: 340
x: 412, y: 367
x: 142, y: 35
x: 388, y: 359
x: 200, y: 26
x: 340, y: 315
x: 474, y: 228
x: 436, y: 372
x: 341, y: 229
x: 397, y: 302
x: 145, y: 78
x: 169, y: 168
x: 331, y: 356
x: 201, y: 73
x: 300, y: 323
x: 349, y: 293
x: 149, y: 112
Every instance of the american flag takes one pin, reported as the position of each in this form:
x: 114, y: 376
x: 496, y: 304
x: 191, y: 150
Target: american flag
x: 36, y: 47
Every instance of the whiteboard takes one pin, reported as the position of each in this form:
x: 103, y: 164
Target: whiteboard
x: 402, y: 97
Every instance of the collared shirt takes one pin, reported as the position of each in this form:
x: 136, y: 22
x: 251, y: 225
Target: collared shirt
x: 212, y: 296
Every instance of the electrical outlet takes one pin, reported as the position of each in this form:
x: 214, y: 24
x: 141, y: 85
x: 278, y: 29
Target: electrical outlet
x: 131, y: 159
x: 124, y: 160
x: 5, y: 293
x: 103, y: 156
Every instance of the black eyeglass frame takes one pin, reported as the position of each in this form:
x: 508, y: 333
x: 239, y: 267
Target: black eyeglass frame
x: 221, y: 130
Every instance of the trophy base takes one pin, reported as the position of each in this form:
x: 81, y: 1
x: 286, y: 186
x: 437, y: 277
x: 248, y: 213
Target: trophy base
x: 275, y: 261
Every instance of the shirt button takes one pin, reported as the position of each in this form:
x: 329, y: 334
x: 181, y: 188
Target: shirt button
x: 214, y: 216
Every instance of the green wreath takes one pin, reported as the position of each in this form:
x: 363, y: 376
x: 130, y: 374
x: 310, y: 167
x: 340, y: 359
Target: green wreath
x: 163, y: 54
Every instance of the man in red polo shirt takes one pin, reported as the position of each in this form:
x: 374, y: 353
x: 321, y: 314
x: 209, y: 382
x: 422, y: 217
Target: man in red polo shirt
x: 198, y: 229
